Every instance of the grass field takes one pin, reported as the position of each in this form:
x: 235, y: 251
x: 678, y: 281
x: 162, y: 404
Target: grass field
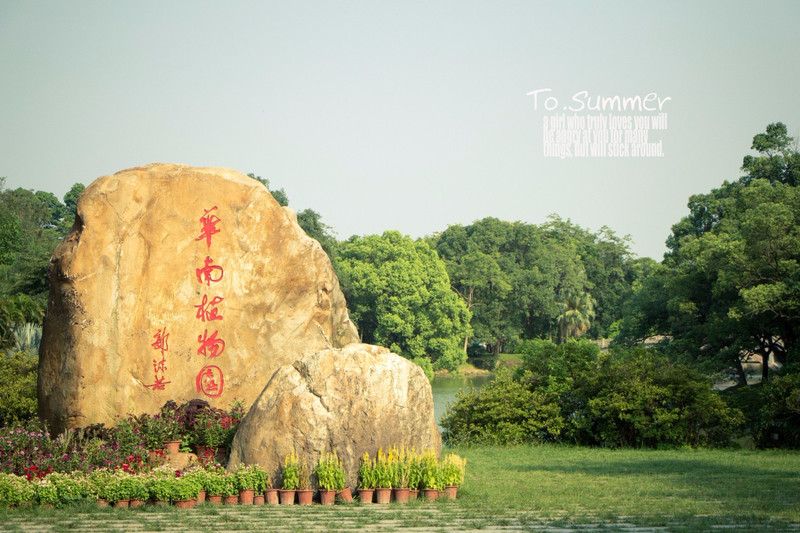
x: 530, y: 488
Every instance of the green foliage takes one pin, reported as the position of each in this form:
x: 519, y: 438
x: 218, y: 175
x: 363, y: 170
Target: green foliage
x: 504, y: 412
x: 279, y: 194
x: 398, y: 293
x: 290, y: 473
x: 247, y: 477
x: 778, y: 420
x: 573, y: 393
x: 18, y: 399
x: 330, y: 473
x: 366, y: 473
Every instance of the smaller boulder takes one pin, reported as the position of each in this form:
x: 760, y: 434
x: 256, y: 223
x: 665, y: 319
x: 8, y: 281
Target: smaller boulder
x: 350, y: 400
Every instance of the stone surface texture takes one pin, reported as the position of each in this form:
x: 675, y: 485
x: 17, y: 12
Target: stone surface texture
x: 126, y: 322
x: 351, y: 400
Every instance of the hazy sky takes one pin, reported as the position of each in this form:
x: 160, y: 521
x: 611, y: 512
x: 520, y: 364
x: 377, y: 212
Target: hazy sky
x: 407, y: 115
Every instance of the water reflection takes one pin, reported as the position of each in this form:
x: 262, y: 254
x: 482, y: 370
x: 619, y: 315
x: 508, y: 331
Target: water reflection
x: 445, y: 389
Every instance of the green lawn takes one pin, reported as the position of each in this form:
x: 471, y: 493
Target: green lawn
x: 527, y: 488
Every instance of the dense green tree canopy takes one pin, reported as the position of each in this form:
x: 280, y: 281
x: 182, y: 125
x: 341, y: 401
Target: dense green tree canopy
x: 398, y: 293
x: 524, y: 281
x: 730, y: 285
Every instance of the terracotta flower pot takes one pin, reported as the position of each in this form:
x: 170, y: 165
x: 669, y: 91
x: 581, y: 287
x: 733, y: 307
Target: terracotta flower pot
x: 102, y: 503
x: 258, y: 499
x: 430, y: 494
x: 201, y: 496
x: 271, y: 496
x: 451, y: 491
x: 305, y: 496
x: 215, y: 499
x: 136, y: 503
x: 346, y: 495
x: 401, y: 495
x: 172, y: 446
x: 327, y: 497
x: 413, y: 493
x: 286, y: 496
x: 246, y: 497
x: 365, y: 495
x: 122, y: 504
x: 383, y: 495
x: 231, y: 500
x: 184, y: 504
x: 159, y: 503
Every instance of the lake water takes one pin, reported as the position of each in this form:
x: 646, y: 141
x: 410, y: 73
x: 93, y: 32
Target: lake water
x: 445, y: 389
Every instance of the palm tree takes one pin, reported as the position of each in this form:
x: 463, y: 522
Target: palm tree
x: 577, y: 313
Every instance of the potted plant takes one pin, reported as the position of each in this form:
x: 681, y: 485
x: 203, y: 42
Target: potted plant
x: 366, y: 479
x: 290, y: 479
x: 97, y: 482
x: 383, y: 477
x: 184, y: 492
x: 197, y: 474
x: 230, y: 494
x: 15, y: 490
x: 159, y: 488
x: 261, y: 484
x: 330, y: 477
x: 453, y: 468
x: 45, y: 492
x: 247, y: 480
x: 305, y: 492
x: 414, y: 474
x: 400, y: 474
x: 71, y: 487
x: 431, y: 476
x: 137, y: 490
x: 214, y: 483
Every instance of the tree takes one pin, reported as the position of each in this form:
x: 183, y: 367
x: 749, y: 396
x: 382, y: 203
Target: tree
x: 279, y: 194
x: 729, y: 287
x: 312, y: 224
x: 398, y: 294
x: 514, y: 277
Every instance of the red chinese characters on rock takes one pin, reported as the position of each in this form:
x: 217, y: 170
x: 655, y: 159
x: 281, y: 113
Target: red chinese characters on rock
x: 210, y: 346
x: 161, y: 343
x: 210, y: 272
x: 209, y: 222
x: 208, y: 310
x: 209, y: 380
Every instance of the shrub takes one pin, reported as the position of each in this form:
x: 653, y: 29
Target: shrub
x: 777, y: 423
x: 366, y: 474
x: 18, y: 400
x: 572, y: 393
x: 504, y: 412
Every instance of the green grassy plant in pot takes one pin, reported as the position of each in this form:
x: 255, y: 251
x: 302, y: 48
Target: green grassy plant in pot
x: 366, y: 479
x: 305, y: 491
x: 400, y: 469
x: 453, y: 468
x: 330, y: 477
x: 431, y: 481
x: 290, y: 479
x: 382, y: 469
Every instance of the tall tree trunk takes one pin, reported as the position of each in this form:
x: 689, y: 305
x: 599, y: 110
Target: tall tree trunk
x: 740, y: 373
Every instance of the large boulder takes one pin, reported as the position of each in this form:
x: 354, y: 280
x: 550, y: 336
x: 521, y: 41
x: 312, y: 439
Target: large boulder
x: 351, y: 400
x: 177, y: 283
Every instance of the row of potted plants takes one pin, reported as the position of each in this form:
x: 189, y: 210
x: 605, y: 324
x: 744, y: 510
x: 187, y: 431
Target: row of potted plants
x: 403, y: 473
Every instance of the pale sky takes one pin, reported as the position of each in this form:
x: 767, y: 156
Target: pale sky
x: 407, y: 115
